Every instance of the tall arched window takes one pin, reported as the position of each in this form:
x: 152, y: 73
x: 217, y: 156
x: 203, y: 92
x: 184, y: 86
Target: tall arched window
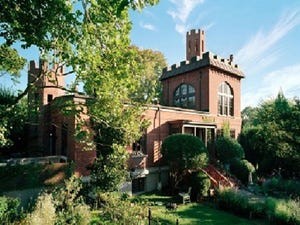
x: 225, y: 100
x: 184, y: 96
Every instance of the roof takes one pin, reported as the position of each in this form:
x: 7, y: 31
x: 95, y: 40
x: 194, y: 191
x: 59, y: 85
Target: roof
x: 208, y: 59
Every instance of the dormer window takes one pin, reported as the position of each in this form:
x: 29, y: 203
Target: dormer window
x: 184, y: 96
x: 225, y: 99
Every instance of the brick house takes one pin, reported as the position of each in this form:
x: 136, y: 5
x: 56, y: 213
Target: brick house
x: 200, y: 96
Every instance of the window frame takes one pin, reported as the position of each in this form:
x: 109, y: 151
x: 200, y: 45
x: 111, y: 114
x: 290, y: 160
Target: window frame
x: 225, y: 100
x: 184, y: 96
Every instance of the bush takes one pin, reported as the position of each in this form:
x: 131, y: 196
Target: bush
x: 281, y: 212
x: 44, y: 211
x: 283, y: 187
x: 201, y: 184
x: 9, y: 209
x: 183, y: 152
x: 228, y: 149
x: 241, y: 169
x: 230, y: 200
x: 116, y: 210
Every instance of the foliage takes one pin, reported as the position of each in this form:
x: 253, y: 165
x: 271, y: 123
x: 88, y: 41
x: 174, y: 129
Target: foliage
x: 69, y: 204
x: 241, y: 169
x: 8, y: 209
x: 226, y: 129
x: 152, y: 63
x: 228, y: 149
x: 109, y: 169
x: 63, y: 206
x: 281, y: 186
x: 283, y: 212
x: 231, y: 200
x: 115, y: 210
x: 43, y: 213
x: 271, y: 137
x: 10, y: 61
x: 13, y: 118
x: 201, y: 183
x: 250, y: 140
x: 278, y: 211
x: 92, y: 39
x: 183, y: 152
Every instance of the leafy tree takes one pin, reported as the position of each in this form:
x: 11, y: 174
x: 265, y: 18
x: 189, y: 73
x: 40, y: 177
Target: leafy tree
x: 272, y: 137
x: 91, y: 38
x: 248, y: 115
x: 183, y: 152
x: 13, y: 118
x: 152, y: 63
x: 228, y: 149
x: 10, y: 62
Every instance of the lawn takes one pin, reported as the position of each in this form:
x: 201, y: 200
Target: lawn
x: 192, y: 214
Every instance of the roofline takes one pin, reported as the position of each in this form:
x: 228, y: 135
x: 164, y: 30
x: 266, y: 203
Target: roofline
x: 208, y: 60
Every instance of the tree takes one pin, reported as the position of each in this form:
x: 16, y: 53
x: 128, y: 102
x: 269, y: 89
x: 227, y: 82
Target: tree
x: 91, y: 38
x: 228, y: 149
x: 10, y: 61
x: 183, y: 152
x: 152, y: 63
x: 272, y: 138
x: 12, y: 123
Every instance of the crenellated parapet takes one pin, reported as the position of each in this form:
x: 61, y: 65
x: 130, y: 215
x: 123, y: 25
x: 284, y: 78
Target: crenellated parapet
x: 197, y: 62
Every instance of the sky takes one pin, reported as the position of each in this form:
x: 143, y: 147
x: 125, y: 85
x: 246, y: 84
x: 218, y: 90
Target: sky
x: 263, y: 36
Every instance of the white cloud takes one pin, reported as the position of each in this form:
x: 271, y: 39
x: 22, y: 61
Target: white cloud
x: 181, y: 13
x: 148, y: 26
x: 183, y: 8
x: 286, y: 79
x: 260, y: 46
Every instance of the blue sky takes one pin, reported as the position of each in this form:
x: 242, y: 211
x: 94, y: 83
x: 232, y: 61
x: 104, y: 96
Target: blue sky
x: 263, y: 36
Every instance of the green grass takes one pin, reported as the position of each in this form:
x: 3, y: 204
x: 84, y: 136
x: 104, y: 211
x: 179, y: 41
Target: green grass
x: 193, y: 213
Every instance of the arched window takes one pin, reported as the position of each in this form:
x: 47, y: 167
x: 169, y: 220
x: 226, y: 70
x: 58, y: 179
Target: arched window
x: 225, y: 100
x: 184, y: 96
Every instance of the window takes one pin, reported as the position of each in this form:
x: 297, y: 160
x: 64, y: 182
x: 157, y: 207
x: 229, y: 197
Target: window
x: 184, y: 96
x: 64, y: 139
x: 225, y: 100
x: 141, y: 144
x: 138, y: 185
x: 50, y: 98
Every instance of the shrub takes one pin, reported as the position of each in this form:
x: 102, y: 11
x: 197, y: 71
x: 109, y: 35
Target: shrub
x: 227, y: 149
x: 183, y: 152
x: 232, y: 201
x: 44, y: 211
x: 9, y: 209
x: 69, y: 204
x: 284, y: 187
x: 201, y: 183
x: 279, y: 211
x: 115, y: 210
x: 241, y: 169
x: 283, y: 211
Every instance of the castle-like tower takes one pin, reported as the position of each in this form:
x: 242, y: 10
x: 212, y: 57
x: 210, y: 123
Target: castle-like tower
x: 46, y: 84
x: 195, y: 43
